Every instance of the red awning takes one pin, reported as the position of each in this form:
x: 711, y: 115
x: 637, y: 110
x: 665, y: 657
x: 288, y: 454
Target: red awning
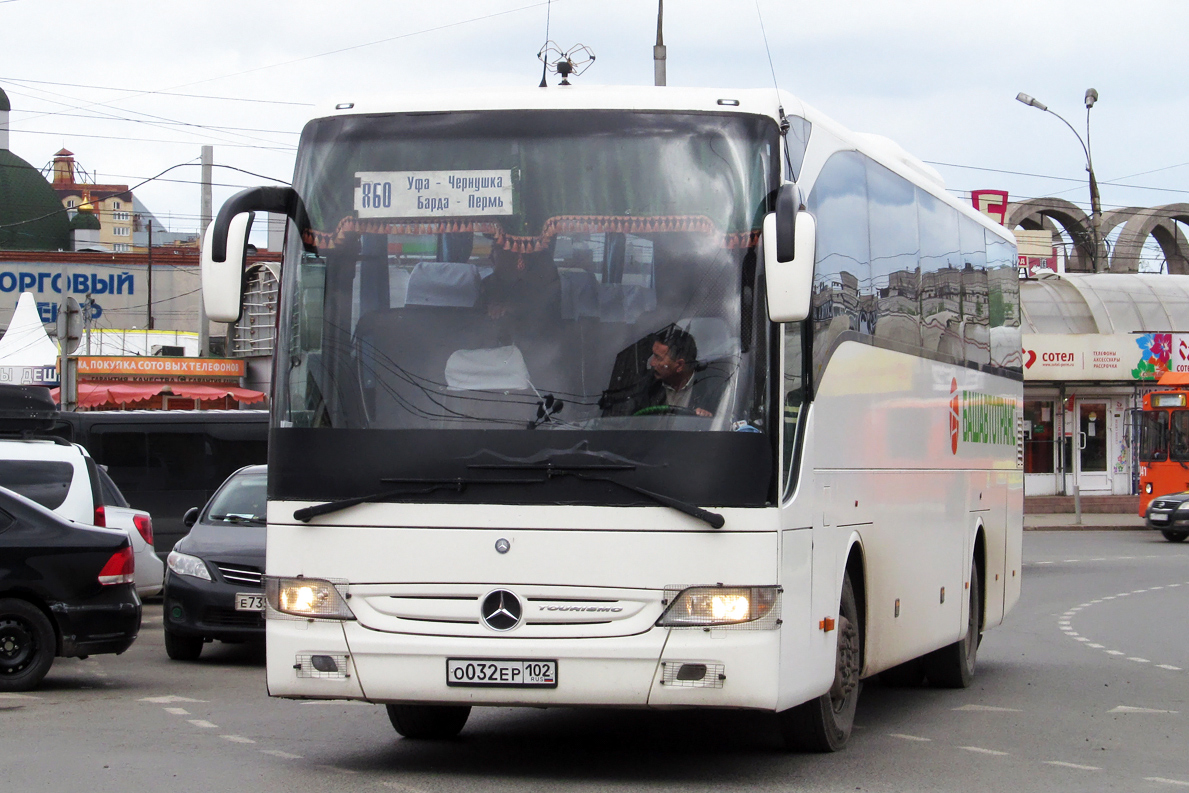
x: 93, y: 394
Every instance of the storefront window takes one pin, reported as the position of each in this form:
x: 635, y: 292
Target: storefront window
x: 1039, y: 446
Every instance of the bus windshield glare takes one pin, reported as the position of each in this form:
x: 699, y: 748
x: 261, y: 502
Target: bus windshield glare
x: 536, y: 280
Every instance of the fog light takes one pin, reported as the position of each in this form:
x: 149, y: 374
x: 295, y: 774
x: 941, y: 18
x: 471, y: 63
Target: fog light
x: 324, y: 663
x: 176, y: 614
x: 692, y: 674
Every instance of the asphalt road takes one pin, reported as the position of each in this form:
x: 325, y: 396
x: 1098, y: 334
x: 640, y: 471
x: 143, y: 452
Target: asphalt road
x: 1086, y: 687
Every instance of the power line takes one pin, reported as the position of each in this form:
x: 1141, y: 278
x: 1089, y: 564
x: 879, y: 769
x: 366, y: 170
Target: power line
x: 162, y: 93
x: 172, y: 123
x: 280, y: 147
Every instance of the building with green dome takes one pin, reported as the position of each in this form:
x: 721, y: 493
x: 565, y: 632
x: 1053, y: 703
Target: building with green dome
x: 31, y: 213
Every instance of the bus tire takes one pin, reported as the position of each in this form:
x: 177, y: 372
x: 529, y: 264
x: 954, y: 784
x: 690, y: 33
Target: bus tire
x: 1174, y: 536
x: 27, y: 645
x: 953, y: 665
x: 428, y: 722
x: 182, y: 648
x: 824, y: 724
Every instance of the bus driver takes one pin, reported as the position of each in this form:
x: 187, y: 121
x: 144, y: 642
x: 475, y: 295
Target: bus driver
x: 676, y: 382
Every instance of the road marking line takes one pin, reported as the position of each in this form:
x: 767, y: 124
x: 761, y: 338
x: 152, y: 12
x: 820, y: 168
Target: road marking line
x: 1109, y: 597
x: 988, y: 709
x: 279, y: 753
x: 1138, y: 591
x: 1173, y: 586
x: 1115, y: 652
x: 1153, y: 589
x: 981, y: 750
x: 1129, y: 709
x: 1138, y: 660
x: 1169, y: 667
x: 177, y: 711
x: 1073, y: 765
x: 1095, y: 646
x: 202, y: 723
x: 1164, y: 781
x: 1040, y: 563
x: 1081, y: 639
x: 167, y: 700
x: 236, y: 739
x: 905, y: 737
x: 19, y: 696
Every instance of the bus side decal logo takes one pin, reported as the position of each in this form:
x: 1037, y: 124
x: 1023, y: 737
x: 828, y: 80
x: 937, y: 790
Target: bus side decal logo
x: 954, y: 415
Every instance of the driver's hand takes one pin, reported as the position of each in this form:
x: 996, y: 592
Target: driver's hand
x: 703, y: 412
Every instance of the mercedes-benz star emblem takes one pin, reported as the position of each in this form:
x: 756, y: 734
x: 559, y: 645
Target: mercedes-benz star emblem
x: 501, y: 610
x: 502, y: 545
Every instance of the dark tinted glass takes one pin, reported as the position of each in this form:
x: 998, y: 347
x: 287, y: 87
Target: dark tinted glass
x: 46, y: 482
x: 1153, y: 436
x: 6, y: 520
x: 111, y: 494
x: 1178, y: 446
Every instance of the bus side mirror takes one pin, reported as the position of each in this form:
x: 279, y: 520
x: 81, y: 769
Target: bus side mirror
x: 790, y: 241
x: 225, y: 245
x: 223, y: 281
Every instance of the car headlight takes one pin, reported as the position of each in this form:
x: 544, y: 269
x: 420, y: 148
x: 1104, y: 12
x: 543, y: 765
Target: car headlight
x: 306, y: 597
x: 756, y: 607
x: 185, y: 564
x: 1183, y: 506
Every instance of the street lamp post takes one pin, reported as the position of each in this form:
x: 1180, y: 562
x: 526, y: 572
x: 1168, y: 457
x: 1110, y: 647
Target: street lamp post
x: 1095, y: 205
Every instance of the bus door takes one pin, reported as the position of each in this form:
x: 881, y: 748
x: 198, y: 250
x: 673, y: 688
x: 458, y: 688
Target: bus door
x: 1090, y: 442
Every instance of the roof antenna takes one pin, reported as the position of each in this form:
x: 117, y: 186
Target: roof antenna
x: 545, y: 62
x: 784, y: 121
x: 573, y: 61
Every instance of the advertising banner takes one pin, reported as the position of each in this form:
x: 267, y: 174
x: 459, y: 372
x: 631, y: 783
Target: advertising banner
x: 1125, y: 357
x: 222, y: 368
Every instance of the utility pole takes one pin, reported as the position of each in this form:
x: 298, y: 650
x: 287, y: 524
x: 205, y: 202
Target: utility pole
x: 204, y: 332
x: 658, y: 51
x: 150, y: 277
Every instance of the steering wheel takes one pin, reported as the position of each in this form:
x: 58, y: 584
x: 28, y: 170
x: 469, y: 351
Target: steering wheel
x: 665, y: 410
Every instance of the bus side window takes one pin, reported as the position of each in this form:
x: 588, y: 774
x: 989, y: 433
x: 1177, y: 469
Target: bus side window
x: 794, y: 396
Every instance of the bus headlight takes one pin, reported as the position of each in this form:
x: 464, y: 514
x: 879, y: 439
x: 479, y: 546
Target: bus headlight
x: 306, y: 597
x: 753, y: 607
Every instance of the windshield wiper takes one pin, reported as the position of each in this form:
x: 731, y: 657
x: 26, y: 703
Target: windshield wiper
x: 430, y: 485
x: 256, y: 521
x: 550, y: 469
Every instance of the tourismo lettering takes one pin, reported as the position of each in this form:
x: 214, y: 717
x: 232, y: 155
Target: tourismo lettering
x: 988, y: 419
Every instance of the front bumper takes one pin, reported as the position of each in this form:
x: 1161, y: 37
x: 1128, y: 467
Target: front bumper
x: 194, y: 607
x: 106, y: 623
x: 622, y: 671
x: 1167, y: 519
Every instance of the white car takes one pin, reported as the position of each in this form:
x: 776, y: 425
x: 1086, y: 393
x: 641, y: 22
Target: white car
x: 61, y: 476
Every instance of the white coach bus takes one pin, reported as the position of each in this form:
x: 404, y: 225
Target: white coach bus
x: 633, y: 398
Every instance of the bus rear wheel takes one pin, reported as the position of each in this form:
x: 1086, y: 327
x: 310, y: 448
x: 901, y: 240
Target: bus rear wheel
x: 1174, y: 536
x: 428, y: 722
x: 953, y: 666
x: 824, y: 724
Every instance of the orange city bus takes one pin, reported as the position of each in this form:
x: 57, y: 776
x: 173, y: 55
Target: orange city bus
x: 1164, y: 440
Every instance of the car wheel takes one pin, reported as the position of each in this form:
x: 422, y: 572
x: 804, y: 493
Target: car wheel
x: 824, y: 724
x: 1174, y: 536
x: 431, y: 722
x: 27, y: 645
x: 182, y: 648
x: 953, y: 666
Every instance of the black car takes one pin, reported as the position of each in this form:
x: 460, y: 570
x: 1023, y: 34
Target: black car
x: 65, y: 590
x: 212, y: 581
x: 1170, y: 516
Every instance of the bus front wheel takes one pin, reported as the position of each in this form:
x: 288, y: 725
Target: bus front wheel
x: 953, y: 666
x: 428, y: 722
x: 824, y: 724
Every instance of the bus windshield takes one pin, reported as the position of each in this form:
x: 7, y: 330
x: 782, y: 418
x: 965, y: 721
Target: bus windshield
x: 484, y: 276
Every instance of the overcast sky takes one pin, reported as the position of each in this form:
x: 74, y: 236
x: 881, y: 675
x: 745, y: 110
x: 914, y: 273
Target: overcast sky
x: 938, y: 76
